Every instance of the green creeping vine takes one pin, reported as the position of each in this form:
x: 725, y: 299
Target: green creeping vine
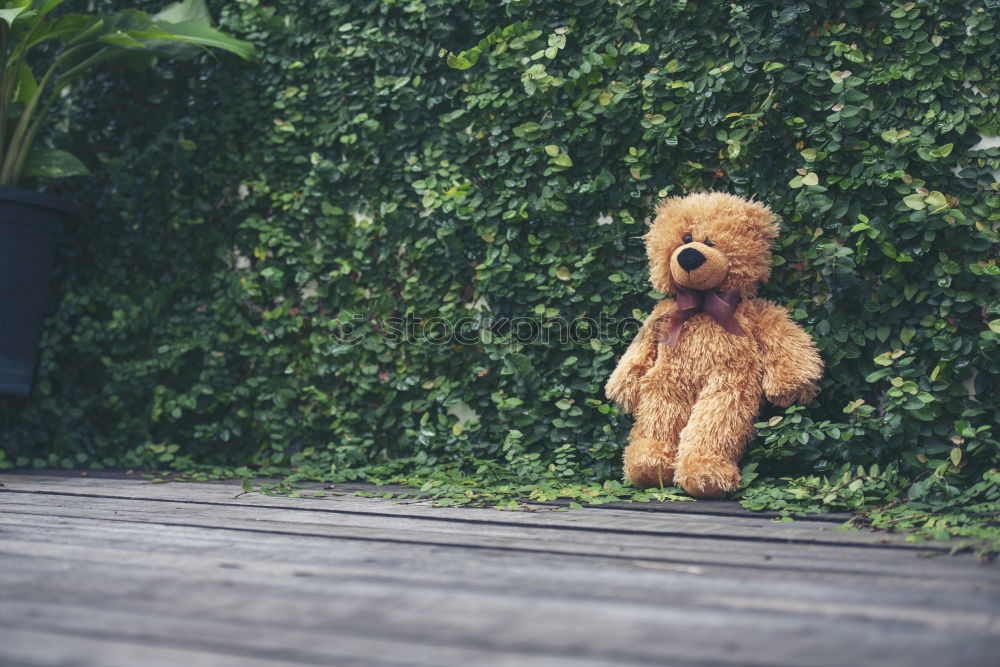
x: 275, y: 246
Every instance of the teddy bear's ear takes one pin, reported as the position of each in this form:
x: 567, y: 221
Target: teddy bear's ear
x: 763, y: 219
x: 663, y: 206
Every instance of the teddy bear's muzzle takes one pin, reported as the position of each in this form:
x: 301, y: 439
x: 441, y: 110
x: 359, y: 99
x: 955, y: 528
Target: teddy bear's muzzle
x: 698, y: 266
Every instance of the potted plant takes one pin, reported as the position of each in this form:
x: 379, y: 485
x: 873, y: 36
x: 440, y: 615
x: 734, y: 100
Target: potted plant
x: 42, y: 53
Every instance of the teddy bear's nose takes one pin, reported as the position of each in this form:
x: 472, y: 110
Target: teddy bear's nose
x: 690, y: 259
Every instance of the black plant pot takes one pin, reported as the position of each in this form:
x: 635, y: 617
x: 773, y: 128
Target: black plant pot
x: 30, y: 222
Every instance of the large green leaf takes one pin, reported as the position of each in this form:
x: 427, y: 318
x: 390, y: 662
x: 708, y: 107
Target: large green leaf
x: 111, y: 37
x: 26, y: 84
x: 65, y: 28
x: 123, y: 36
x: 46, y: 6
x: 199, y: 34
x: 123, y: 40
x: 53, y: 163
x: 88, y: 31
x: 19, y: 11
x: 188, y: 10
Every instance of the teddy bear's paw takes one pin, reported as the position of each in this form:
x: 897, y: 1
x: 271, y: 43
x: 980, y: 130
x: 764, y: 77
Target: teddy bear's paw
x: 624, y: 391
x: 708, y: 476
x: 649, y: 463
x: 800, y: 395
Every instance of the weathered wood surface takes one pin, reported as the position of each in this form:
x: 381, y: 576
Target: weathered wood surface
x: 112, y: 571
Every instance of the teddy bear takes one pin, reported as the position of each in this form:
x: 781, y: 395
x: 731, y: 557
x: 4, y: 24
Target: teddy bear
x: 695, y: 373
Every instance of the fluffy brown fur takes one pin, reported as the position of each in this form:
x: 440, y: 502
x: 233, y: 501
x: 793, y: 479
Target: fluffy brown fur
x: 695, y: 403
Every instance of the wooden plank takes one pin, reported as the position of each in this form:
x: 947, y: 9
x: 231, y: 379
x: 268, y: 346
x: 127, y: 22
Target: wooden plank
x: 583, y: 519
x: 186, y: 605
x: 750, y: 554
x: 22, y: 645
x: 571, y: 522
x: 876, y: 578
x: 616, y: 521
x: 320, y: 645
x: 412, y: 566
x: 112, y: 639
x: 689, y: 526
x: 717, y: 508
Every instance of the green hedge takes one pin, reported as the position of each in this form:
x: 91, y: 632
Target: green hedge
x: 379, y: 161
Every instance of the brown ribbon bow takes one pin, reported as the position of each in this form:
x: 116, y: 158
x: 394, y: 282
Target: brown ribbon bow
x: 721, y: 307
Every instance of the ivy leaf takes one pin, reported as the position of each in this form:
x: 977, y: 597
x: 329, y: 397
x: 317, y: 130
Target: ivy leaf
x: 955, y: 456
x: 943, y: 151
x: 936, y: 200
x: 464, y: 60
x: 53, y: 163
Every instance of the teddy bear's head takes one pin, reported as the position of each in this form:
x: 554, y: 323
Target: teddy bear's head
x: 710, y: 240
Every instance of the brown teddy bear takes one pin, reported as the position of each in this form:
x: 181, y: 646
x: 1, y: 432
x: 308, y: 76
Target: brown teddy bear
x: 695, y: 373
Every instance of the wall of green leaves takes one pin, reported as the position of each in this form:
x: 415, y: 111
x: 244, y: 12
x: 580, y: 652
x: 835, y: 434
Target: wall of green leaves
x: 379, y: 161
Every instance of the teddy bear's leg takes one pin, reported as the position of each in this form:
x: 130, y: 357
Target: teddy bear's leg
x: 652, y: 449
x: 712, y: 442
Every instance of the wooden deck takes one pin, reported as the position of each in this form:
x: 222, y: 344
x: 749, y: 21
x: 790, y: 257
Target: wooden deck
x: 112, y: 571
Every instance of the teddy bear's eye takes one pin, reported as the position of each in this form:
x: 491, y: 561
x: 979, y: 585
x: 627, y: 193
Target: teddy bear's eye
x: 709, y: 243
x: 687, y: 238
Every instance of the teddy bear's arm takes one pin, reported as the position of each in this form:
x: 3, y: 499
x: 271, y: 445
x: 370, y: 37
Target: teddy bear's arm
x: 623, y: 385
x: 792, y: 364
